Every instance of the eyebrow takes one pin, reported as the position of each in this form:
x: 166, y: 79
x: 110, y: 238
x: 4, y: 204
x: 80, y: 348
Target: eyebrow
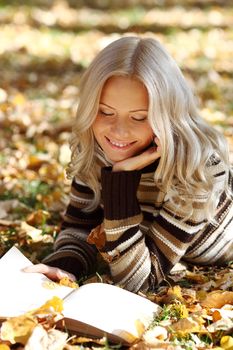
x: 136, y: 110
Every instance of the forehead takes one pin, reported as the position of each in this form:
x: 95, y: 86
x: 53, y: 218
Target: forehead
x: 125, y: 90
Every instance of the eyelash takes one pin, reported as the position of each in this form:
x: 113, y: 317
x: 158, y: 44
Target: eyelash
x: 112, y: 114
x: 106, y: 114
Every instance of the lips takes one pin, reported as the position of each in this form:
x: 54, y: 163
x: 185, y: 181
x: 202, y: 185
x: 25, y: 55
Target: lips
x: 119, y: 145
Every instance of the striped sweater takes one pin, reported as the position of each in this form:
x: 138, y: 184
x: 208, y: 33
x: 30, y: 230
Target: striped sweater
x: 141, y: 231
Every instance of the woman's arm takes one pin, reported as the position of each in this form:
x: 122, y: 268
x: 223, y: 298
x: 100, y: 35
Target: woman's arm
x: 136, y: 260
x: 71, y: 250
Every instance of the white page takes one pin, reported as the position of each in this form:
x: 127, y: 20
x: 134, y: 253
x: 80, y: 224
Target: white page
x: 109, y: 308
x: 20, y: 291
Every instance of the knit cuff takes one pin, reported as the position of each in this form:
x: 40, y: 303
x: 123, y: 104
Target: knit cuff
x: 119, y: 191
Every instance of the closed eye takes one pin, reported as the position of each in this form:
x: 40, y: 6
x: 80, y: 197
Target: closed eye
x: 105, y: 113
x: 139, y: 118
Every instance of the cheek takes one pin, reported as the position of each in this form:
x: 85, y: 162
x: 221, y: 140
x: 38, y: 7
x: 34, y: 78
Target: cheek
x: 96, y: 127
x: 147, y: 135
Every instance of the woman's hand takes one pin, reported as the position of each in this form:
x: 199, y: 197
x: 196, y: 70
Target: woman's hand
x: 141, y: 160
x: 53, y: 273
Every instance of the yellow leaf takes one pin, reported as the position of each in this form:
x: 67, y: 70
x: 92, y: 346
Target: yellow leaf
x: 227, y: 342
x: 18, y: 329
x: 18, y: 100
x: 140, y: 327
x: 173, y: 293
x: 65, y: 281
x: 4, y: 347
x: 56, y: 304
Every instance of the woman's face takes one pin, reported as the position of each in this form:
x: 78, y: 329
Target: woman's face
x: 121, y: 127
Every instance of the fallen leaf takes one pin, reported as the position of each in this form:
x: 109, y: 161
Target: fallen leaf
x: 41, y: 339
x: 4, y: 347
x: 34, y: 233
x: 188, y: 325
x: 152, y: 336
x: 18, y: 329
x: 224, y: 324
x: 195, y: 277
x: 217, y: 299
x: 227, y: 342
x: 38, y: 217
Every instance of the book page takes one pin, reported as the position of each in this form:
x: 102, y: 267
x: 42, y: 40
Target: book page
x: 20, y: 291
x: 110, y: 308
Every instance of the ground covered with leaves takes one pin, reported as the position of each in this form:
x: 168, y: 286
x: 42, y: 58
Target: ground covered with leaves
x: 44, y: 48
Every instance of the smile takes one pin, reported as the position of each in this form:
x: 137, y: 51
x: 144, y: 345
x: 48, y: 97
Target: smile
x: 122, y: 145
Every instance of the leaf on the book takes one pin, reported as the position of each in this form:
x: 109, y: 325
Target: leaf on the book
x: 66, y: 281
x: 50, y: 285
x: 18, y: 329
x: 53, y: 305
x: 41, y: 339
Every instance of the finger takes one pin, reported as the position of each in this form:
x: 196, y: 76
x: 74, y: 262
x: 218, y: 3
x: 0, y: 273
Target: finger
x: 53, y: 273
x: 41, y: 268
x: 143, y: 159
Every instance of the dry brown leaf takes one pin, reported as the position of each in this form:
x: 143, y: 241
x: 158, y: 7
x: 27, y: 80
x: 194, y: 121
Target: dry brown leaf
x: 217, y: 299
x: 97, y: 236
x: 196, y: 277
x: 38, y: 217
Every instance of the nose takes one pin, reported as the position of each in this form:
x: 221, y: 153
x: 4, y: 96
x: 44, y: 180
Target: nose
x: 121, y: 129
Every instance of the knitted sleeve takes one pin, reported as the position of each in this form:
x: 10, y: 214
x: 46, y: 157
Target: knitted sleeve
x: 140, y: 260
x: 71, y: 250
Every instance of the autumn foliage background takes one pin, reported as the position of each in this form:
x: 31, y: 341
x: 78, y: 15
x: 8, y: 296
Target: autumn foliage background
x: 44, y: 48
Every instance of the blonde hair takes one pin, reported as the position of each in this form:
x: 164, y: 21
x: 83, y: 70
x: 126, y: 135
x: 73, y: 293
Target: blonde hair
x: 187, y: 142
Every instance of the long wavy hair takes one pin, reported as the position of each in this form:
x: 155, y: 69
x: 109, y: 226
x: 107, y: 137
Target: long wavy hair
x: 187, y: 141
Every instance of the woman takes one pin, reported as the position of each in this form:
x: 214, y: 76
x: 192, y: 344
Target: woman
x: 152, y: 182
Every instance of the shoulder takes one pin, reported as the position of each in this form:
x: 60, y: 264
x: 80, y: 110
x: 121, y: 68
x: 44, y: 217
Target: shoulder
x: 217, y: 168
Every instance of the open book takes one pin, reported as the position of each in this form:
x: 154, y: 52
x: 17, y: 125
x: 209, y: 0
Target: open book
x: 94, y: 309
